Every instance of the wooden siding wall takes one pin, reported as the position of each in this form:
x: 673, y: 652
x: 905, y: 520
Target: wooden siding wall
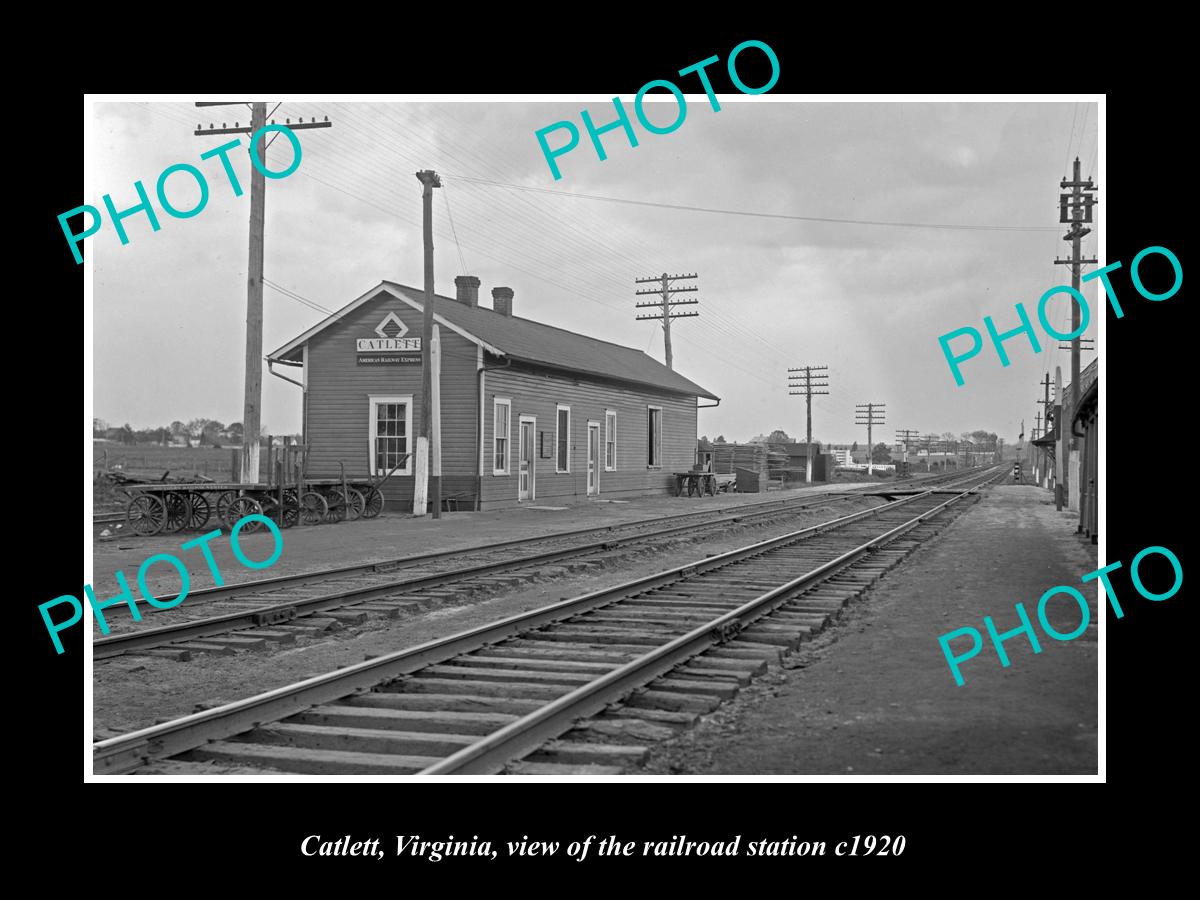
x: 537, y: 393
x: 337, y: 415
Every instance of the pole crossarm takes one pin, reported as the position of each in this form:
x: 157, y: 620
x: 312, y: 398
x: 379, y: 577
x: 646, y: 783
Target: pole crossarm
x: 665, y: 305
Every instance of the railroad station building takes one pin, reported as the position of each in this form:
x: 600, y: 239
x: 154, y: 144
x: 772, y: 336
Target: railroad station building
x: 529, y: 412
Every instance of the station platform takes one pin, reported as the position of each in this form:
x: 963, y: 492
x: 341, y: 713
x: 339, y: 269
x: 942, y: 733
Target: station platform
x: 874, y: 694
x: 396, y: 534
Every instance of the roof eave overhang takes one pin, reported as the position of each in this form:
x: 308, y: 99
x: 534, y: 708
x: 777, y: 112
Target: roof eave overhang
x: 293, y: 349
x: 699, y: 392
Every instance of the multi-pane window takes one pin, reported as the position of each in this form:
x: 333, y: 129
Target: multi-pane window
x: 500, y: 436
x: 562, y: 440
x: 654, y: 436
x: 610, y: 441
x: 391, y: 422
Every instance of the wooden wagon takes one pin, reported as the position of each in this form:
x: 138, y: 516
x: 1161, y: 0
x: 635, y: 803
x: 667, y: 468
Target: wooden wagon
x: 162, y: 507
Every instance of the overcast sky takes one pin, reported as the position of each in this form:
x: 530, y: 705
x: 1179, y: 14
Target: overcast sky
x: 867, y: 301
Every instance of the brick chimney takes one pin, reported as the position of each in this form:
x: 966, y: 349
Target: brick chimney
x: 502, y: 298
x: 468, y: 289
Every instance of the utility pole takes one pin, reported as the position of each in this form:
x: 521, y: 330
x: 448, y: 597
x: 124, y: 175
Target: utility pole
x: 1075, y: 209
x: 252, y: 401
x: 1060, y: 464
x: 806, y: 384
x: 1047, y: 418
x: 429, y: 180
x: 665, y: 305
x: 1035, y: 451
x: 904, y: 435
x: 869, y: 414
x: 1032, y: 453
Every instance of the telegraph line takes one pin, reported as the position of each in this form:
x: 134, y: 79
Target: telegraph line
x: 751, y: 213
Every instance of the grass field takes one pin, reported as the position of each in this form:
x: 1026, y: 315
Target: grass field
x: 152, y: 460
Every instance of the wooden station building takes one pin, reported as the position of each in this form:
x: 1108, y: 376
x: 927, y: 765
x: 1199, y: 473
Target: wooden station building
x: 529, y: 412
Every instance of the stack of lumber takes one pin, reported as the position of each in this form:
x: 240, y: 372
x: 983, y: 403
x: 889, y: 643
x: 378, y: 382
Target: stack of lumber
x: 727, y: 457
x: 777, y: 461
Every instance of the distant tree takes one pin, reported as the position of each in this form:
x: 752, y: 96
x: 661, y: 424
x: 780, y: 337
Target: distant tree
x: 179, y: 430
x: 704, y: 439
x: 195, y: 429
x: 211, y: 432
x: 881, y: 454
x: 779, y: 436
x: 854, y: 447
x: 704, y: 443
x: 99, y: 428
x: 127, y: 435
x: 235, y: 431
x: 720, y: 439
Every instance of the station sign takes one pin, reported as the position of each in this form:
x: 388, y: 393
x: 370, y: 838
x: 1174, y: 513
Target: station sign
x: 388, y: 345
x: 391, y: 347
x: 389, y: 359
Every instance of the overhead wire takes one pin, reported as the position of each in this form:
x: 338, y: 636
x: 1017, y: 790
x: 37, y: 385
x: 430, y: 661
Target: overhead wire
x: 758, y: 214
x: 714, y: 320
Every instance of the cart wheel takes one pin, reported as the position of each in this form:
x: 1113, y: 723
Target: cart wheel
x: 238, y: 509
x: 223, y: 500
x: 373, y: 502
x: 146, y: 514
x: 358, y: 503
x: 352, y: 509
x: 337, y: 505
x: 177, y: 512
x: 313, y: 508
x: 270, y: 507
x: 291, y: 508
x: 201, y: 512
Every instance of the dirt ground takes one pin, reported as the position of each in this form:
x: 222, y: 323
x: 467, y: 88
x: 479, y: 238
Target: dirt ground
x: 131, y: 692
x: 874, y: 694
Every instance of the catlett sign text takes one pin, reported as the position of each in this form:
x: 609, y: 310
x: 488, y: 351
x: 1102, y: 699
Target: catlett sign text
x: 394, y: 345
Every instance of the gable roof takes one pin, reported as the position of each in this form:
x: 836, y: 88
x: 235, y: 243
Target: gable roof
x: 520, y: 339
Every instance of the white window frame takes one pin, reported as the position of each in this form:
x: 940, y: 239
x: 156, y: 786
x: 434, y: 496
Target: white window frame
x: 497, y: 402
x: 610, y: 437
x: 657, y: 464
x: 557, y: 419
x: 373, y: 401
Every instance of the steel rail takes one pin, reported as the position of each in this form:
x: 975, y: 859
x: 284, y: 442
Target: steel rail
x: 526, y: 734
x: 287, y: 610
x: 125, y: 752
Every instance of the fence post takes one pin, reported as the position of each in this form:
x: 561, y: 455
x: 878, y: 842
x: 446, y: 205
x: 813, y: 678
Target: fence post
x: 279, y: 486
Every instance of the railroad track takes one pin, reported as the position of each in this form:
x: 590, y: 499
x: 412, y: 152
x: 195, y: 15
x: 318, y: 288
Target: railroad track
x: 576, y: 686
x: 279, y: 610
